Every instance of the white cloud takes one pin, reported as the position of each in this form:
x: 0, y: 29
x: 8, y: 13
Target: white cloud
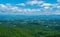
x: 58, y: 1
x: 7, y: 8
x: 57, y: 13
x: 46, y: 4
x: 2, y: 6
x: 35, y: 2
x: 21, y: 4
x: 47, y: 7
x: 14, y: 9
x: 58, y: 6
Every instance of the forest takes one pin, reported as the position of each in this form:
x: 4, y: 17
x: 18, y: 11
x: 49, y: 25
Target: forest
x: 30, y: 28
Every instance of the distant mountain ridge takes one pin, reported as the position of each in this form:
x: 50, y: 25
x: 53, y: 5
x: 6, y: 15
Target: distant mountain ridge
x: 29, y: 17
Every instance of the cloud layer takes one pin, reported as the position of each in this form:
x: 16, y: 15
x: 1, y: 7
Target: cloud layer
x: 33, y: 7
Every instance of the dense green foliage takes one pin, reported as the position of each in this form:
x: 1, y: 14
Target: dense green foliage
x: 26, y: 30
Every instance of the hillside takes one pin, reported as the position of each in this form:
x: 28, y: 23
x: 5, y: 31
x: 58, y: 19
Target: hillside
x: 29, y: 26
x: 27, y: 31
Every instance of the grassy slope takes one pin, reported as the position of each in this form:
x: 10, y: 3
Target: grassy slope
x: 27, y: 31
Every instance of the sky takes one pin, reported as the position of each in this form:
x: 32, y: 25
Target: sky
x: 30, y: 7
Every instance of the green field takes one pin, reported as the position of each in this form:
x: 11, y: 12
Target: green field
x: 27, y: 30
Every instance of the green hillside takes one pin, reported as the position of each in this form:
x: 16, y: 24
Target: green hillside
x: 26, y: 30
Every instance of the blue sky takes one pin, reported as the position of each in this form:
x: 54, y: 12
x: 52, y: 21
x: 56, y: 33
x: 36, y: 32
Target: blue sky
x: 22, y: 1
x: 12, y: 1
x: 34, y: 7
